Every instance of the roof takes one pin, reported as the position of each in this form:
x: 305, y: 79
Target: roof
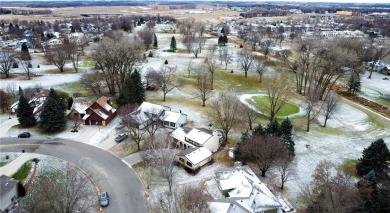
x: 246, y: 193
x: 151, y: 108
x: 180, y: 133
x: 42, y: 93
x: 198, y: 135
x: 172, y: 116
x: 6, y: 184
x: 81, y: 107
x: 197, y: 155
x: 103, y: 102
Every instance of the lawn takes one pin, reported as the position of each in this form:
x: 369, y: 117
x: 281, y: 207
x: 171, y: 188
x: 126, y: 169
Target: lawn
x: 287, y: 109
x: 57, y: 71
x: 22, y: 172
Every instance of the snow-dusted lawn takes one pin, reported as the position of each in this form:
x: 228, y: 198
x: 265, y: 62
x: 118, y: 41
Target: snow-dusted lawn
x: 376, y: 82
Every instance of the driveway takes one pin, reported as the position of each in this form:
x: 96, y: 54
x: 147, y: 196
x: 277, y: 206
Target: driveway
x: 106, y: 170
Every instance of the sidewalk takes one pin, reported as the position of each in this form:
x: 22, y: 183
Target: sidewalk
x: 13, y: 166
x: 6, y: 125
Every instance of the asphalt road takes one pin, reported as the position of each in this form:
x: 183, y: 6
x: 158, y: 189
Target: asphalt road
x: 108, y: 172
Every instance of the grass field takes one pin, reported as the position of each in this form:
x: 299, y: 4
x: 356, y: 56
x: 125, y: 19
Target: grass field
x: 22, y: 172
x: 262, y: 102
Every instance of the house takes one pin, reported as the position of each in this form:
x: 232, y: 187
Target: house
x: 173, y: 120
x: 196, y: 137
x: 147, y: 112
x: 78, y: 110
x: 193, y: 158
x: 240, y: 190
x: 8, y: 193
x: 100, y: 112
x: 36, y: 102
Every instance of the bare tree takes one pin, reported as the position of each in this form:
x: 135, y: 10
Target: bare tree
x: 6, y: 61
x: 5, y: 99
x: 328, y: 193
x: 71, y: 48
x: 312, y: 102
x: 189, y: 67
x: 223, y: 112
x: 94, y: 82
x: 249, y: 115
x: 277, y: 90
x: 65, y: 190
x: 331, y: 103
x: 11, y: 90
x: 262, y: 150
x: 254, y: 38
x: 378, y: 53
x: 26, y: 64
x: 284, y: 167
x: 260, y: 68
x: 166, y: 79
x: 211, y: 67
x: 146, y: 35
x: 182, y: 200
x: 227, y: 56
x: 266, y: 46
x: 57, y: 56
x: 203, y: 85
x: 132, y: 123
x: 245, y: 60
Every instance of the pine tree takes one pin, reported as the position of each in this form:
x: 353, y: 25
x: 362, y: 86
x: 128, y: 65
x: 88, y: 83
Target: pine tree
x: 20, y: 92
x: 25, y: 54
x: 273, y: 128
x: 52, y: 117
x: 137, y: 91
x: 286, y: 131
x: 70, y: 103
x: 173, y: 44
x: 225, y: 39
x: 259, y: 130
x: 223, y: 31
x: 374, y: 157
x: 25, y: 113
x: 155, y: 44
x: 369, y: 191
x: 354, y: 83
x: 220, y: 40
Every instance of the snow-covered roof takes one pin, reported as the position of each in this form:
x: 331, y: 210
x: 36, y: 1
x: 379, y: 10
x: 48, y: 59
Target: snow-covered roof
x: 246, y: 193
x: 151, y: 108
x: 198, y: 136
x: 172, y: 116
x: 219, y: 207
x: 101, y: 114
x: 179, y: 134
x: 198, y: 155
x: 103, y: 102
x: 81, y: 107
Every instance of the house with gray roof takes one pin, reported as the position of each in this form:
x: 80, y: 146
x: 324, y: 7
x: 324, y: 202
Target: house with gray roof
x: 8, y: 192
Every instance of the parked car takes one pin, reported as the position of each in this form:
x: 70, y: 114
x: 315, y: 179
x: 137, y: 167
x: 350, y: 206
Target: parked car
x: 104, y: 199
x: 24, y: 135
x: 121, y: 137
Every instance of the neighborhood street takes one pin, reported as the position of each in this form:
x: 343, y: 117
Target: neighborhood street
x: 108, y: 172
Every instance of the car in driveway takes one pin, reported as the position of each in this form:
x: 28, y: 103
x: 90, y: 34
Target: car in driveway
x: 121, y: 137
x: 24, y: 135
x: 104, y: 199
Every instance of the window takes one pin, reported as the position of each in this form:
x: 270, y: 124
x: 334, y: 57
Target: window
x: 181, y: 160
x: 166, y: 123
x: 189, y: 164
x: 172, y: 124
x: 76, y: 114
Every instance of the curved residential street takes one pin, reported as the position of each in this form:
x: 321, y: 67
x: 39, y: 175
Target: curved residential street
x: 109, y: 173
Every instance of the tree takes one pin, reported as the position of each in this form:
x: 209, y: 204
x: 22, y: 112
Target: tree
x: 277, y: 90
x: 147, y: 37
x: 245, y: 60
x: 71, y: 49
x: 6, y: 61
x: 327, y: 193
x: 52, y: 117
x: 223, y: 112
x: 70, y: 103
x: 132, y: 123
x: 24, y: 113
x: 57, y: 56
x: 115, y: 59
x: 262, y: 150
x: 5, y: 99
x: 286, y: 134
x: 249, y: 115
x: 155, y: 43
x: 354, y: 83
x: 260, y: 68
x: 93, y: 81
x: 166, y: 79
x: 378, y: 53
x: 332, y: 101
x: 203, y: 85
x: 284, y: 168
x: 25, y: 60
x: 133, y: 90
x: 66, y: 190
x: 374, y: 157
x: 369, y: 192
x: 226, y: 56
x: 211, y: 67
x: 312, y: 102
x: 173, y: 44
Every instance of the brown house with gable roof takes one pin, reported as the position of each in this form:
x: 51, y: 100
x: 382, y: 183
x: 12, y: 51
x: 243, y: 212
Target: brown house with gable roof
x: 100, y: 112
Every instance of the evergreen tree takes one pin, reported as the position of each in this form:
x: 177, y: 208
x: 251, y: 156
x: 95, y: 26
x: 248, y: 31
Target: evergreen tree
x: 70, y: 102
x: 273, y: 128
x: 374, y: 157
x: 173, y: 44
x: 25, y: 54
x: 166, y: 62
x: 52, y: 117
x: 354, y: 83
x: 223, y: 31
x: 137, y: 92
x: 20, y: 91
x: 225, y: 39
x: 286, y: 131
x: 25, y: 113
x: 220, y: 40
x: 258, y: 130
x: 369, y: 191
x: 155, y: 44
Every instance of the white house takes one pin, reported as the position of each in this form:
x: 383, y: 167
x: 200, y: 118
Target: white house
x: 173, y: 120
x: 36, y: 102
x: 193, y: 158
x: 8, y: 192
x: 196, y: 137
x: 146, y: 112
x: 240, y: 190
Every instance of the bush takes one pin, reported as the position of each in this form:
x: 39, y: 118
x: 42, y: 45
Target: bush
x: 38, y: 66
x: 150, y: 54
x: 166, y: 62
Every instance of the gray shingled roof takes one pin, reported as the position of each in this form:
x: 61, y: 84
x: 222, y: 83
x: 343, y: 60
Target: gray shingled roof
x: 6, y: 184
